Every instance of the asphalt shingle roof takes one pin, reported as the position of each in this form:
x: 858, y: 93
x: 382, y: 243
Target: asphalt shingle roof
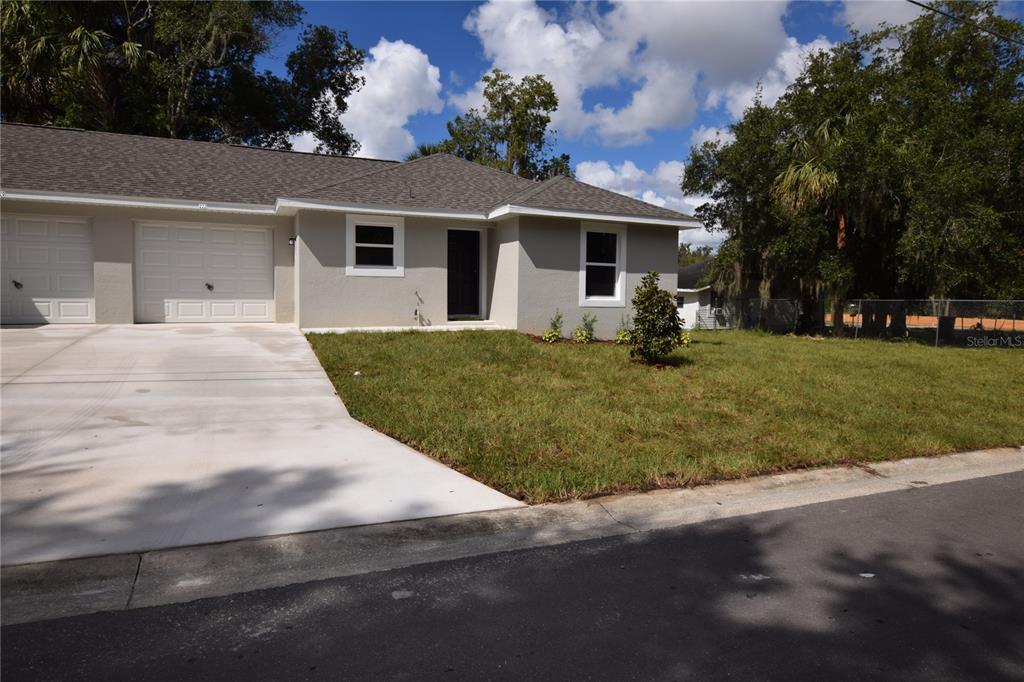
x: 92, y: 162
x: 439, y: 181
x: 562, y: 193
x: 689, y: 275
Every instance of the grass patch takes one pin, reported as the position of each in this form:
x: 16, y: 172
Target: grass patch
x: 546, y: 422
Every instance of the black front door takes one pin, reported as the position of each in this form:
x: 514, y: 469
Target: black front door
x: 463, y: 274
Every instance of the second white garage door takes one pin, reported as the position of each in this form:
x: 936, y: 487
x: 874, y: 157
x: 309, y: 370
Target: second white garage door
x: 202, y: 273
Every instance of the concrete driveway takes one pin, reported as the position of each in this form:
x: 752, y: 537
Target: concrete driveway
x: 129, y: 438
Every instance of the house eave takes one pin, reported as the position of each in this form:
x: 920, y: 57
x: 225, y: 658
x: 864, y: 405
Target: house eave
x: 292, y: 206
x: 135, y: 202
x: 289, y: 207
x: 693, y: 291
x: 513, y: 210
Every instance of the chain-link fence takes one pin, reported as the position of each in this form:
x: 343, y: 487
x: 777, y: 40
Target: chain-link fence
x: 979, y: 323
x: 715, y: 317
x: 939, y: 321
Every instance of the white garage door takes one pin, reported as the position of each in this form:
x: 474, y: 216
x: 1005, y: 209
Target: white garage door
x: 200, y: 273
x: 47, y: 270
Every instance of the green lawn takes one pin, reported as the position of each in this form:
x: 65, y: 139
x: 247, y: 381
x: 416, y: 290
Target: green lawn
x: 546, y: 422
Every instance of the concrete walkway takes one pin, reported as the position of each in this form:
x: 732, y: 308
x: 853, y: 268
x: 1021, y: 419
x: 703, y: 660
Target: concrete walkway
x: 129, y: 581
x: 132, y: 438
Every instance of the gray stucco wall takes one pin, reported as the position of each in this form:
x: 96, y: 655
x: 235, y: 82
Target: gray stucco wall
x: 549, y: 272
x: 503, y: 271
x: 329, y: 298
x: 114, y: 251
x: 531, y: 268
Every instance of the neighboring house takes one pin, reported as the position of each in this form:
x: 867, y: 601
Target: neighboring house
x: 692, y: 297
x: 110, y: 228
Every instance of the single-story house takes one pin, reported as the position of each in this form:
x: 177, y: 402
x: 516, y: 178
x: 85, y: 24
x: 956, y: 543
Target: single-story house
x: 691, y: 295
x: 110, y: 228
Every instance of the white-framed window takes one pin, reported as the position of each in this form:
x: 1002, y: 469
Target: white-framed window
x: 374, y: 246
x: 602, y: 265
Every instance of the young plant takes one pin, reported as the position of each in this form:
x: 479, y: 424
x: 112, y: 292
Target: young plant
x: 584, y: 333
x: 656, y: 326
x: 684, y: 339
x: 622, y: 333
x: 554, y: 332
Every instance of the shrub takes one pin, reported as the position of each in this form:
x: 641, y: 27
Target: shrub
x: 554, y: 332
x: 656, y: 327
x: 584, y: 333
x: 684, y: 339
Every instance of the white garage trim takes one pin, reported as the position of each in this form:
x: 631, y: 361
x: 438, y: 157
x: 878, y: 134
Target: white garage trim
x: 202, y: 272
x: 47, y: 266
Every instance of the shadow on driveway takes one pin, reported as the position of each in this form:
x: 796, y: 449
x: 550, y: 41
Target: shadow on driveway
x: 926, y: 584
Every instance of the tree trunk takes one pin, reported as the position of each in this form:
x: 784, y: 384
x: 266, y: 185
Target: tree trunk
x: 838, y: 301
x: 838, y: 321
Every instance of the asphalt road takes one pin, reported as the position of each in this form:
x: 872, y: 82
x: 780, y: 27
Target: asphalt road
x: 923, y: 584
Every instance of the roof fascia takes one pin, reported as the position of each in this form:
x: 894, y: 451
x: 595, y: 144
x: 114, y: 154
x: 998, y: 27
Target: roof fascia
x: 291, y: 206
x: 136, y: 202
x: 513, y: 210
x: 286, y: 206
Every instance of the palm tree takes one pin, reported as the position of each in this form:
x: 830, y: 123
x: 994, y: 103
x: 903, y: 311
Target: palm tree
x: 428, y: 148
x: 809, y: 182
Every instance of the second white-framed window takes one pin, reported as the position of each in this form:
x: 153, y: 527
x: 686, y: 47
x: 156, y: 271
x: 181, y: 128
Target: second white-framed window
x: 602, y: 265
x: 374, y: 246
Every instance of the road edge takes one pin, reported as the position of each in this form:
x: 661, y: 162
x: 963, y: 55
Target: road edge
x: 42, y: 591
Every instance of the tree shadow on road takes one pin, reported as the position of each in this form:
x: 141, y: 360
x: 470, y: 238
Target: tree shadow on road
x: 713, y: 601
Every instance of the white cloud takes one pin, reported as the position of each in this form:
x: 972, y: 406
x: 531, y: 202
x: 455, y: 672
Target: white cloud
x: 522, y: 38
x: 304, y: 142
x: 709, y: 134
x: 662, y: 51
x: 726, y: 41
x: 701, y: 237
x: 659, y: 186
x: 400, y: 82
x: 866, y: 15
x: 665, y: 100
x: 789, y: 62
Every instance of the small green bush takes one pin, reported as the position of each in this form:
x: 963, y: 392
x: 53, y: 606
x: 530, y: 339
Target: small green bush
x: 622, y: 333
x: 584, y: 333
x: 554, y: 332
x: 656, y: 326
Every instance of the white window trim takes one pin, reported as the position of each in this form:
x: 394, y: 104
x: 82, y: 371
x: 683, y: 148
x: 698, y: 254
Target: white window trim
x: 619, y: 299
x: 353, y: 270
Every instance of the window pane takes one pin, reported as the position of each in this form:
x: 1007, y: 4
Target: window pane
x: 600, y: 280
x: 374, y: 234
x: 600, y: 247
x: 374, y: 255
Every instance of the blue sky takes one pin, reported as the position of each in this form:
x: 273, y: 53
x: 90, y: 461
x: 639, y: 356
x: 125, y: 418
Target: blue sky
x: 638, y: 82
